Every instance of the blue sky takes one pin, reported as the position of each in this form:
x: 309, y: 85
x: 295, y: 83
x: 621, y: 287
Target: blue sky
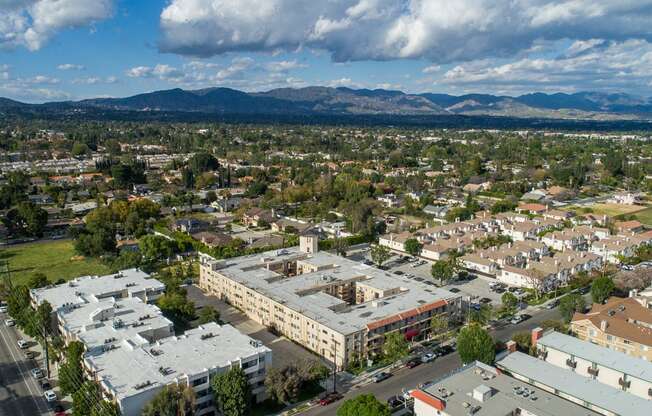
x: 73, y: 49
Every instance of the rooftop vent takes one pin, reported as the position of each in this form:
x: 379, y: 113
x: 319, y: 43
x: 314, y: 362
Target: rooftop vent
x: 207, y: 336
x: 142, y: 385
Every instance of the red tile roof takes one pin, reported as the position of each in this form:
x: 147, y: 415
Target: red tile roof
x: 428, y: 399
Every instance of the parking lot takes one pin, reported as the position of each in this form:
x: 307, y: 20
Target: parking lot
x: 284, y: 351
x: 476, y: 288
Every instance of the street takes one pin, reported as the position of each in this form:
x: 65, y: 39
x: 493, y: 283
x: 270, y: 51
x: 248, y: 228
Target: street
x: 407, y: 379
x: 19, y: 393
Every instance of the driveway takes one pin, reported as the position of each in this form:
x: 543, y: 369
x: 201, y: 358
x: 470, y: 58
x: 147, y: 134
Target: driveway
x: 284, y: 351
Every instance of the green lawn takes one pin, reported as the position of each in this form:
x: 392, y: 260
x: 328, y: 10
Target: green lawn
x: 645, y: 216
x: 56, y: 259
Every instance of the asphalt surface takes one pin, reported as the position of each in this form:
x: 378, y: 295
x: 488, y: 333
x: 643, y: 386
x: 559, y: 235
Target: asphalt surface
x: 19, y: 393
x: 406, y: 379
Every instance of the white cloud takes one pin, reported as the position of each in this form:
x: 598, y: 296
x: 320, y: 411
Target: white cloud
x: 343, y: 82
x: 430, y: 69
x: 70, y: 67
x: 442, y: 31
x: 95, y: 80
x: 31, y: 23
x: 284, y: 66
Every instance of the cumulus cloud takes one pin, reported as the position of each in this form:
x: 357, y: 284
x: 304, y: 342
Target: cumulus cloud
x: 70, y: 67
x: 442, y: 31
x: 31, y: 23
x: 95, y: 80
x: 284, y: 66
x: 596, y: 65
x: 33, y: 89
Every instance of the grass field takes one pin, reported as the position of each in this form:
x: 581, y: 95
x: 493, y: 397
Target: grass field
x: 56, y: 259
x: 612, y: 210
x: 645, y: 216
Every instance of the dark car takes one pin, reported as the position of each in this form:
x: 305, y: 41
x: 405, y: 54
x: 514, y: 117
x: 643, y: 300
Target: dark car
x: 525, y: 316
x: 485, y: 300
x: 398, y: 273
x: 330, y: 398
x: 444, y: 350
x: 382, y: 376
x: 395, y: 402
x: 45, y: 385
x: 413, y: 363
x: 584, y: 290
x: 454, y: 290
x: 553, y: 304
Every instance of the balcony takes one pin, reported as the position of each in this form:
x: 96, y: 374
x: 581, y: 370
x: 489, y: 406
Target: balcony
x: 570, y: 363
x: 593, y: 371
x: 624, y: 383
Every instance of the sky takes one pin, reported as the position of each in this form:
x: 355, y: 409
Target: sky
x: 74, y: 49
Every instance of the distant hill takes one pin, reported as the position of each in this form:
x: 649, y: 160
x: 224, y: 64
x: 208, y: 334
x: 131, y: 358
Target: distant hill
x: 327, y: 101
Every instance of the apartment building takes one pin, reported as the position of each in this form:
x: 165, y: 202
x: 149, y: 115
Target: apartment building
x: 623, y: 325
x: 130, y: 283
x: 607, y: 366
x: 132, y: 374
x: 103, y: 324
x: 480, y: 389
x: 572, y: 388
x: 338, y: 308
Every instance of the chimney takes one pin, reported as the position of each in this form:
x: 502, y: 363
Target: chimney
x: 603, y: 325
x: 537, y: 333
x: 511, y: 346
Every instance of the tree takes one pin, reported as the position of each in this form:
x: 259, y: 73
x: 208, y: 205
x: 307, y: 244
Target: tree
x: 71, y: 373
x: 475, y: 343
x: 172, y: 400
x: 523, y: 340
x: 37, y: 280
x: 481, y: 315
x: 176, y: 306
x: 601, y: 289
x: 232, y: 392
x: 85, y: 398
x: 439, y: 325
x: 283, y: 385
x: 379, y: 254
x: 570, y: 304
x: 208, y: 314
x: 442, y: 270
x: 395, y: 347
x: 203, y: 162
x: 413, y: 246
x: 509, y: 300
x: 364, y: 405
x: 79, y: 149
x: 26, y: 219
x: 154, y: 247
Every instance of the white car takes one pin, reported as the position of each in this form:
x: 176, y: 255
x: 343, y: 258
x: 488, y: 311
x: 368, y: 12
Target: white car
x: 428, y: 357
x: 50, y: 396
x: 3, y: 309
x: 22, y: 344
x: 10, y: 322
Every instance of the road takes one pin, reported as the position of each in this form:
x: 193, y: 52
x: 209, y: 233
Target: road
x: 407, y: 379
x: 19, y: 393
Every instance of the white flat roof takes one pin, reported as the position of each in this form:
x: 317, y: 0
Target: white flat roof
x: 211, y: 346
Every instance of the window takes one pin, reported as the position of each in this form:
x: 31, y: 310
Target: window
x: 199, y: 381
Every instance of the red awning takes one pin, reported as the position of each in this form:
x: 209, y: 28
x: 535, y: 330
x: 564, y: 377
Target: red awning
x: 411, y: 333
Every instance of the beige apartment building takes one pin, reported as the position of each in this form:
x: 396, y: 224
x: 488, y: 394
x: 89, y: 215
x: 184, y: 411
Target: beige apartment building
x: 623, y: 325
x: 338, y: 308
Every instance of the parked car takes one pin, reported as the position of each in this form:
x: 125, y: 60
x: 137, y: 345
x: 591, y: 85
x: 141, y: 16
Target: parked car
x: 383, y: 375
x: 454, y: 290
x: 50, y: 396
x: 398, y: 273
x: 22, y: 344
x: 428, y: 357
x: 45, y: 385
x: 37, y: 373
x: 553, y: 304
x: 10, y: 322
x: 330, y: 398
x: 395, y: 402
x: 584, y: 290
x: 29, y: 354
x: 485, y: 300
x: 444, y: 350
x: 413, y: 363
x: 3, y: 309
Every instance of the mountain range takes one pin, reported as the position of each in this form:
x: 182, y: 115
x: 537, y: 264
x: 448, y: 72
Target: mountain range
x: 346, y: 101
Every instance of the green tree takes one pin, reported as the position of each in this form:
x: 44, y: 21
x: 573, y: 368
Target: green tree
x: 363, y: 405
x: 379, y: 254
x: 442, y: 270
x: 203, y: 162
x: 26, y: 219
x: 395, y: 347
x: 232, y: 392
x: 172, y: 400
x: 37, y: 280
x: 176, y: 306
x: 80, y: 149
x: 208, y: 314
x: 509, y: 300
x: 85, y: 398
x: 71, y: 373
x: 413, y: 246
x: 154, y: 247
x: 570, y: 304
x: 475, y: 343
x: 601, y: 288
x: 481, y: 315
x: 439, y: 325
x: 283, y: 385
x: 523, y: 340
